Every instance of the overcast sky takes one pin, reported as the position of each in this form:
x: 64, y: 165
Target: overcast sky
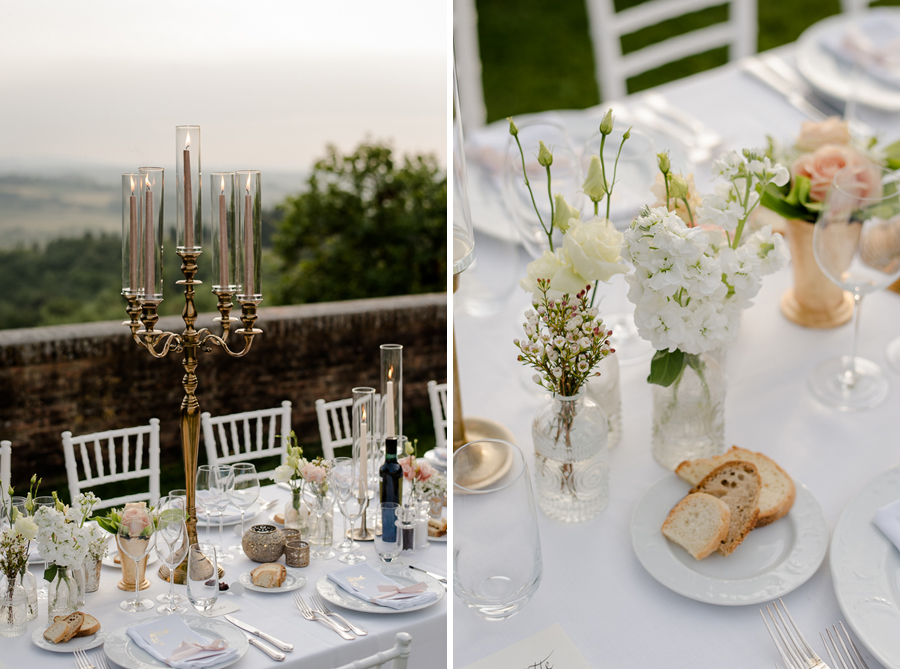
x: 270, y: 82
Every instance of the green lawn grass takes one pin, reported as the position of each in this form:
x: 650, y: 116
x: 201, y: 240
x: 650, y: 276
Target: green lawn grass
x: 537, y: 55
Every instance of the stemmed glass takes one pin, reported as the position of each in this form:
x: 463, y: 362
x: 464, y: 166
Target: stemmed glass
x: 202, y: 577
x: 44, y: 500
x: 243, y: 493
x: 344, y: 482
x: 224, y: 486
x: 136, y: 537
x: 856, y: 242
x: 206, y: 494
x: 170, y: 526
x: 320, y: 502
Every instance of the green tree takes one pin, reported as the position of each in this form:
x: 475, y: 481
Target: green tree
x: 367, y: 227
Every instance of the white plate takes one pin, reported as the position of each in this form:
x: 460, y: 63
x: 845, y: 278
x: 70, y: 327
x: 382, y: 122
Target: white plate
x: 435, y: 461
x: 771, y: 561
x: 120, y: 648
x: 835, y: 78
x: 249, y: 514
x: 70, y: 646
x: 442, y: 539
x: 865, y: 569
x: 335, y: 594
x: 292, y: 581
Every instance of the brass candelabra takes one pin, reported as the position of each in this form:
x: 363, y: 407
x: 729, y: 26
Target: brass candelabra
x: 160, y: 343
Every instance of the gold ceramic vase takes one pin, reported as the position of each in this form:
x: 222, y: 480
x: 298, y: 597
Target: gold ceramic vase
x: 128, y: 571
x: 814, y: 301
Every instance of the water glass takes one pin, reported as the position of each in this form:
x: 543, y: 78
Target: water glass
x: 171, y: 528
x: 497, y: 562
x: 202, y: 577
x: 387, y: 543
x: 206, y: 495
x: 244, y: 493
x: 224, y: 487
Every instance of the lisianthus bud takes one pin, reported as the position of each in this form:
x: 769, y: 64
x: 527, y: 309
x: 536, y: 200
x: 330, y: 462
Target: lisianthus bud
x: 563, y: 213
x: 513, y: 130
x: 545, y: 158
x: 678, y: 187
x: 627, y: 134
x: 593, y: 185
x: 663, y: 160
x: 606, y: 125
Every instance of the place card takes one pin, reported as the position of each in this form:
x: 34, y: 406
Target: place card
x: 549, y: 649
x: 221, y: 608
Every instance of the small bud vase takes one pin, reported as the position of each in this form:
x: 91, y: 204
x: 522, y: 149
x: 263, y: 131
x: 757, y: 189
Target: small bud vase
x: 65, y: 593
x: 689, y: 415
x: 13, y: 607
x: 296, y: 513
x: 29, y: 582
x: 571, y: 458
x: 92, y: 574
x: 605, y: 391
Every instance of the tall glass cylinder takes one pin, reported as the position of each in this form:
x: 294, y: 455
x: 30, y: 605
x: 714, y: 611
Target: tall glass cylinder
x: 188, y: 228
x: 131, y: 234
x: 151, y: 230
x: 224, y: 238
x: 392, y: 389
x: 364, y: 445
x: 463, y: 237
x: 248, y: 199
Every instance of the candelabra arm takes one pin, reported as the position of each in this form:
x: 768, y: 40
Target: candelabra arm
x: 171, y: 342
x: 224, y: 306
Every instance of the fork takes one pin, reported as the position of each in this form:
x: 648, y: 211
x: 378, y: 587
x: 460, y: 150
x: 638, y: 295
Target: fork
x: 101, y: 661
x: 848, y: 659
x: 320, y: 604
x: 310, y: 614
x: 793, y: 648
x: 81, y: 660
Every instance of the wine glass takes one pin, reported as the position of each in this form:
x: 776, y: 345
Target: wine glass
x: 224, y: 486
x: 44, y: 500
x: 321, y: 500
x: 856, y: 242
x: 344, y: 482
x: 243, y: 493
x: 206, y: 494
x: 136, y: 537
x: 171, y: 528
x: 202, y: 577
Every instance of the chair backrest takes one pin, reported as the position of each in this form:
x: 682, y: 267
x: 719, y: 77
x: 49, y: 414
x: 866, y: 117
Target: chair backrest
x: 248, y: 435
x: 5, y: 467
x: 468, y: 64
x: 335, y: 427
x: 613, y: 67
x: 113, y: 456
x: 437, y: 394
x: 399, y: 654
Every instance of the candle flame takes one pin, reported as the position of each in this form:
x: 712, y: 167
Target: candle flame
x: 248, y: 184
x: 132, y: 184
x: 223, y: 184
x: 363, y: 414
x: 390, y: 373
x: 147, y: 180
x: 187, y: 142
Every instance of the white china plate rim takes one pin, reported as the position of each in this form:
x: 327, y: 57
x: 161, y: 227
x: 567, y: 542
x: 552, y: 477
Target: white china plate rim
x: 109, y: 560
x: 292, y: 581
x: 334, y: 594
x: 119, y: 646
x: 771, y: 561
x: 213, y: 521
x: 70, y: 646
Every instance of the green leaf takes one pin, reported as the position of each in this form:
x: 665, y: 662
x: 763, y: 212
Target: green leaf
x: 792, y: 204
x: 892, y: 153
x: 50, y: 573
x: 665, y: 367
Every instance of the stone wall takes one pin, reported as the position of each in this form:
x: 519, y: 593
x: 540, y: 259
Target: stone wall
x: 91, y: 377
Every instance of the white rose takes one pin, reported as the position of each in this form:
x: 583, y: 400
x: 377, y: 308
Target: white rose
x: 26, y: 527
x: 595, y: 249
x: 283, y: 473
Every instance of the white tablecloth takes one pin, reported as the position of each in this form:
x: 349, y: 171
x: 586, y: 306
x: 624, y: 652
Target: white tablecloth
x: 315, y: 646
x: 593, y: 584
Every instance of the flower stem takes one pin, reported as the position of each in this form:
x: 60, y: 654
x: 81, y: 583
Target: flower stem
x: 531, y: 193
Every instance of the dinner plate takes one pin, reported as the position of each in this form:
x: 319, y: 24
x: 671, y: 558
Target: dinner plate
x: 213, y: 522
x: 435, y: 461
x: 292, y: 581
x: 771, y: 561
x: 120, y: 648
x: 70, y: 646
x: 836, y: 78
x: 336, y: 595
x: 865, y: 569
x: 442, y: 538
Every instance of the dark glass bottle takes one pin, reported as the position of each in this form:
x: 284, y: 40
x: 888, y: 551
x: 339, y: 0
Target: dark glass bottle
x: 391, y: 487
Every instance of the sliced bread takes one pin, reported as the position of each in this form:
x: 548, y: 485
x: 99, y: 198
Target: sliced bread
x: 737, y: 484
x: 699, y: 523
x: 89, y: 627
x: 269, y: 575
x: 63, y: 630
x: 777, y: 492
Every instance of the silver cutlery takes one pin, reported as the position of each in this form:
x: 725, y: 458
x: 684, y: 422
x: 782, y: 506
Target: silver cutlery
x: 311, y: 614
x: 848, y: 655
x: 320, y: 604
x: 442, y: 579
x: 81, y: 660
x: 267, y: 504
x: 278, y: 656
x: 100, y: 659
x: 792, y: 646
x: 809, y: 107
x: 262, y: 635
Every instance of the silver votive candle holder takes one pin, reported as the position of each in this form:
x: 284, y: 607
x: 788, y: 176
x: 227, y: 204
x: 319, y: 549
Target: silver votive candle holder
x: 296, y: 553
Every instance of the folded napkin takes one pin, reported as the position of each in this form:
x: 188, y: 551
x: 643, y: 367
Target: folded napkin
x: 232, y: 515
x: 873, y: 43
x: 365, y: 582
x: 170, y: 640
x: 887, y: 519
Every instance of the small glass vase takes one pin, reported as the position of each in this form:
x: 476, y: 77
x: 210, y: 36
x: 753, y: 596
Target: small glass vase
x: 29, y: 582
x: 321, y: 531
x: 571, y: 458
x: 65, y: 593
x: 689, y: 415
x: 296, y: 513
x: 92, y: 574
x: 13, y: 607
x: 606, y: 392
x: 423, y: 515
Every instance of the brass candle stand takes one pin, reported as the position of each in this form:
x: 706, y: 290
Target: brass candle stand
x: 363, y: 533
x: 160, y: 343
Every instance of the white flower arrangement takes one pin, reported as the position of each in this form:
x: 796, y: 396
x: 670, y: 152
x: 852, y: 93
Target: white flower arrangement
x: 292, y: 471
x: 62, y: 542
x: 693, y: 277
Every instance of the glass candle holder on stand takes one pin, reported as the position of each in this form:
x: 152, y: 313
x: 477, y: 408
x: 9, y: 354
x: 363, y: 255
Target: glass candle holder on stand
x: 188, y: 229
x: 152, y: 190
x: 224, y: 250
x: 131, y: 235
x: 392, y: 388
x: 248, y: 214
x: 363, y: 413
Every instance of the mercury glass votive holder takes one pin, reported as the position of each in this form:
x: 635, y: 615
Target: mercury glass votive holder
x: 188, y: 210
x: 296, y: 553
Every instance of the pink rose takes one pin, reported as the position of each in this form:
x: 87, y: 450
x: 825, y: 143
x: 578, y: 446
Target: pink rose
x: 815, y: 135
x: 409, y: 472
x: 821, y: 166
x: 135, y: 517
x: 425, y: 471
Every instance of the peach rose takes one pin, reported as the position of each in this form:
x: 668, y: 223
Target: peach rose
x: 424, y: 472
x: 815, y: 135
x: 135, y: 517
x: 821, y: 166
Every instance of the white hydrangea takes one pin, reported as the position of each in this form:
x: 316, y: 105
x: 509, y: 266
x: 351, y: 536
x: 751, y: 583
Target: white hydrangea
x: 61, y: 542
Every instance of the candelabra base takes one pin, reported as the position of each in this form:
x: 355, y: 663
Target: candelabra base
x: 180, y: 572
x: 362, y: 534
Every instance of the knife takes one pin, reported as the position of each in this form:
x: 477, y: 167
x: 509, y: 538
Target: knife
x: 271, y: 652
x: 442, y: 579
x: 262, y: 635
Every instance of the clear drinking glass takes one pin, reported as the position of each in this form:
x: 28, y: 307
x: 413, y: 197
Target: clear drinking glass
x: 856, y: 242
x: 344, y: 483
x: 171, y: 528
x: 178, y: 503
x: 498, y: 511
x: 320, y: 503
x: 243, y: 493
x: 44, y: 590
x: 388, y: 546
x: 206, y: 495
x: 136, y: 537
x: 224, y: 486
x: 202, y: 577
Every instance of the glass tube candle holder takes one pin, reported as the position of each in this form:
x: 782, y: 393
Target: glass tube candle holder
x: 364, y: 444
x: 188, y: 228
x: 151, y: 229
x: 463, y: 237
x: 131, y: 234
x: 224, y: 239
x: 392, y: 389
x: 248, y: 208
